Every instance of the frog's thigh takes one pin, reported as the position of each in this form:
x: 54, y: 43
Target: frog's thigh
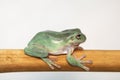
x: 36, y: 52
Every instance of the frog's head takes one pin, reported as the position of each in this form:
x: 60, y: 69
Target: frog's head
x: 76, y: 37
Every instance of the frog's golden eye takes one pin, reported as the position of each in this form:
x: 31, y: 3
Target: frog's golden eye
x: 78, y: 36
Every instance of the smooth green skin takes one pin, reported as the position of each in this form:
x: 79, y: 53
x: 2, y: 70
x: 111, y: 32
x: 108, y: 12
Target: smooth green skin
x: 56, y: 43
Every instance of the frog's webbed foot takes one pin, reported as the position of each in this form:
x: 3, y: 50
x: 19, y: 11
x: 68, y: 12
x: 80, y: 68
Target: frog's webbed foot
x: 50, y: 63
x: 82, y: 62
x: 78, y: 61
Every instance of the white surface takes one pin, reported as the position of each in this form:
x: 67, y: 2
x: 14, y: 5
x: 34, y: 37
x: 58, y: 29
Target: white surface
x: 61, y: 76
x: 20, y: 20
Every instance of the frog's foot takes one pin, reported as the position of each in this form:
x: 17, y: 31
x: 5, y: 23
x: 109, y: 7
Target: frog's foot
x: 81, y: 62
x: 53, y: 58
x: 51, y: 63
x: 81, y: 59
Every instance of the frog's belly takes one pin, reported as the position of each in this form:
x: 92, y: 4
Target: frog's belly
x: 61, y: 51
x: 58, y: 52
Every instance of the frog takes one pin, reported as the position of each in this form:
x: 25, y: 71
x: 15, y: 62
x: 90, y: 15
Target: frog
x: 49, y: 42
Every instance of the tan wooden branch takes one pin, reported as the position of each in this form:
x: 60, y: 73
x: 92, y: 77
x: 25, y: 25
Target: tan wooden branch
x: 14, y: 60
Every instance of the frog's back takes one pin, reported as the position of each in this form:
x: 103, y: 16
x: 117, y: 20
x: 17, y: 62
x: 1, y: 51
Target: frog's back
x: 45, y: 37
x: 63, y: 34
x: 48, y: 35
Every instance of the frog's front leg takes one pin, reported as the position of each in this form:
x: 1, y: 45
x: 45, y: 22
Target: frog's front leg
x: 77, y: 61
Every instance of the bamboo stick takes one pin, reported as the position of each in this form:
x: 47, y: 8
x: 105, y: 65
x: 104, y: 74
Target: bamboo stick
x: 14, y: 60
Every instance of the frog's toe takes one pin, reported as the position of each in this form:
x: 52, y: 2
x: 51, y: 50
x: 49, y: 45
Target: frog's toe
x: 82, y: 57
x: 57, y: 65
x: 82, y: 62
x: 86, y: 62
x: 86, y: 68
x: 51, y: 66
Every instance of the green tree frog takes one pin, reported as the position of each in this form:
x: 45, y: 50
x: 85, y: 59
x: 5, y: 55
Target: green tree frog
x: 56, y: 43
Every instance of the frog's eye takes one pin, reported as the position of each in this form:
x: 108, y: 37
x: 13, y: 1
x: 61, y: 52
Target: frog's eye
x: 78, y: 36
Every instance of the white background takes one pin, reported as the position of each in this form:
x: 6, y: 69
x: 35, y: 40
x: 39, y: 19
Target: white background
x: 20, y: 20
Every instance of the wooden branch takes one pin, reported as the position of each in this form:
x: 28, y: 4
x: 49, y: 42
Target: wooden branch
x: 14, y: 60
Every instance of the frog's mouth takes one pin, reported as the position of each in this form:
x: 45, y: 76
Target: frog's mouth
x: 76, y: 44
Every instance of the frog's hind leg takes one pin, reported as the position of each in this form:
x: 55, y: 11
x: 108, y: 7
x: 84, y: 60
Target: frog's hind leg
x: 37, y: 52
